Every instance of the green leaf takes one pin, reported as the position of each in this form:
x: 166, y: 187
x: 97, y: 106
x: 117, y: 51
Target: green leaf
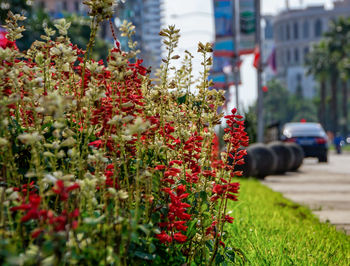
x: 203, y: 195
x: 231, y: 255
x: 182, y: 99
x: 191, y: 230
x: 144, y: 256
x: 152, y: 248
x: 210, y: 245
x: 144, y: 229
x: 219, y: 259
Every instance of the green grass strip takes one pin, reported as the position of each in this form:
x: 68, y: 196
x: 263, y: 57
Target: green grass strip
x: 345, y: 148
x: 271, y: 230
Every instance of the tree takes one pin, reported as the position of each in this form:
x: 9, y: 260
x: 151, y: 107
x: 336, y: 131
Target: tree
x: 339, y: 36
x: 281, y: 107
x: 338, y: 39
x: 276, y: 104
x: 317, y: 65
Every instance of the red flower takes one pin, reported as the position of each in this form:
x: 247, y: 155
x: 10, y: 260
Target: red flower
x: 6, y: 43
x: 228, y: 219
x: 160, y: 167
x: 231, y: 197
x: 171, y: 163
x: 164, y: 237
x: 63, y: 191
x: 37, y: 232
x: 180, y: 189
x: 219, y: 189
x: 97, y: 143
x: 180, y: 237
x: 31, y: 208
x: 212, y: 229
x: 179, y: 225
x: 208, y: 173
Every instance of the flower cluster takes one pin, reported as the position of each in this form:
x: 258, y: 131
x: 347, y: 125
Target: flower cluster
x: 46, y: 217
x: 101, y: 163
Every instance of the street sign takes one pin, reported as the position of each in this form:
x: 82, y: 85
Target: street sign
x: 225, y: 36
x: 224, y: 27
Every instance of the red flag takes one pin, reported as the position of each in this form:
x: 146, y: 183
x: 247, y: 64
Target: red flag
x: 256, y: 57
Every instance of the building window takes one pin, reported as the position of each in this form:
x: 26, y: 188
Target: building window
x: 65, y: 6
x: 59, y: 7
x: 288, y: 56
x: 288, y: 32
x: 279, y: 59
x: 296, y: 30
x: 296, y: 56
x: 318, y: 28
x: 281, y: 37
x: 76, y: 6
x: 306, y: 29
x: 268, y: 30
x: 306, y: 52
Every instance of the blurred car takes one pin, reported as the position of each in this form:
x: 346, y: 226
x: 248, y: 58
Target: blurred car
x: 310, y: 136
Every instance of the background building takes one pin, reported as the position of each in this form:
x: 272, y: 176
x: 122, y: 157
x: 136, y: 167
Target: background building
x: 268, y: 49
x: 58, y: 8
x: 295, y: 31
x: 146, y: 15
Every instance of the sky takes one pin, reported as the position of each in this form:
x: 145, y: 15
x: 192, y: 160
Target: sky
x: 195, y: 20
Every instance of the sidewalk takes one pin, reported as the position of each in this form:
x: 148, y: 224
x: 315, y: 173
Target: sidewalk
x: 325, y: 188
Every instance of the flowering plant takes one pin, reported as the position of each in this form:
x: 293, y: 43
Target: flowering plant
x: 100, y: 165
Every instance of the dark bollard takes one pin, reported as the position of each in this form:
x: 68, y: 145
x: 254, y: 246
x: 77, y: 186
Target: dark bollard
x: 285, y: 156
x: 298, y: 155
x: 265, y: 160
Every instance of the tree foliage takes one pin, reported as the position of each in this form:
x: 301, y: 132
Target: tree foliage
x: 280, y: 107
x: 37, y: 19
x: 329, y: 62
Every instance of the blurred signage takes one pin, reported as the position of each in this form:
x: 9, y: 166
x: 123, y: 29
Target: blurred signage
x: 247, y: 26
x: 223, y: 81
x: 224, y: 46
x: 224, y: 27
x: 223, y: 18
x: 224, y: 42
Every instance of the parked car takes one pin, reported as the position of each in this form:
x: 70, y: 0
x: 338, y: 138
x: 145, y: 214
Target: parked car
x: 310, y: 136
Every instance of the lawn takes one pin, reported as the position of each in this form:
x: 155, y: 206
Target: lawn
x: 344, y: 148
x: 270, y: 230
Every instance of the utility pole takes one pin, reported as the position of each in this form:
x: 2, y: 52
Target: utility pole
x: 260, y: 103
x: 287, y: 4
x: 236, y: 40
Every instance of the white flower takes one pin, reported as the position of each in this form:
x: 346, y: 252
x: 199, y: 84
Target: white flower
x: 3, y: 142
x: 29, y: 139
x: 49, y: 179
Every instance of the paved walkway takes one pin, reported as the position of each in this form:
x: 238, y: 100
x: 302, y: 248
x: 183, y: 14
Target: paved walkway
x: 325, y: 188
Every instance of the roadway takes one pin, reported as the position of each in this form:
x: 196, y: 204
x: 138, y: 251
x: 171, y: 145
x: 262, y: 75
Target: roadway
x: 323, y: 187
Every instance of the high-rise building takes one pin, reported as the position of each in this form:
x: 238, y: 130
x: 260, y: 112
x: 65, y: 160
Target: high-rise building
x: 295, y: 32
x: 146, y: 15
